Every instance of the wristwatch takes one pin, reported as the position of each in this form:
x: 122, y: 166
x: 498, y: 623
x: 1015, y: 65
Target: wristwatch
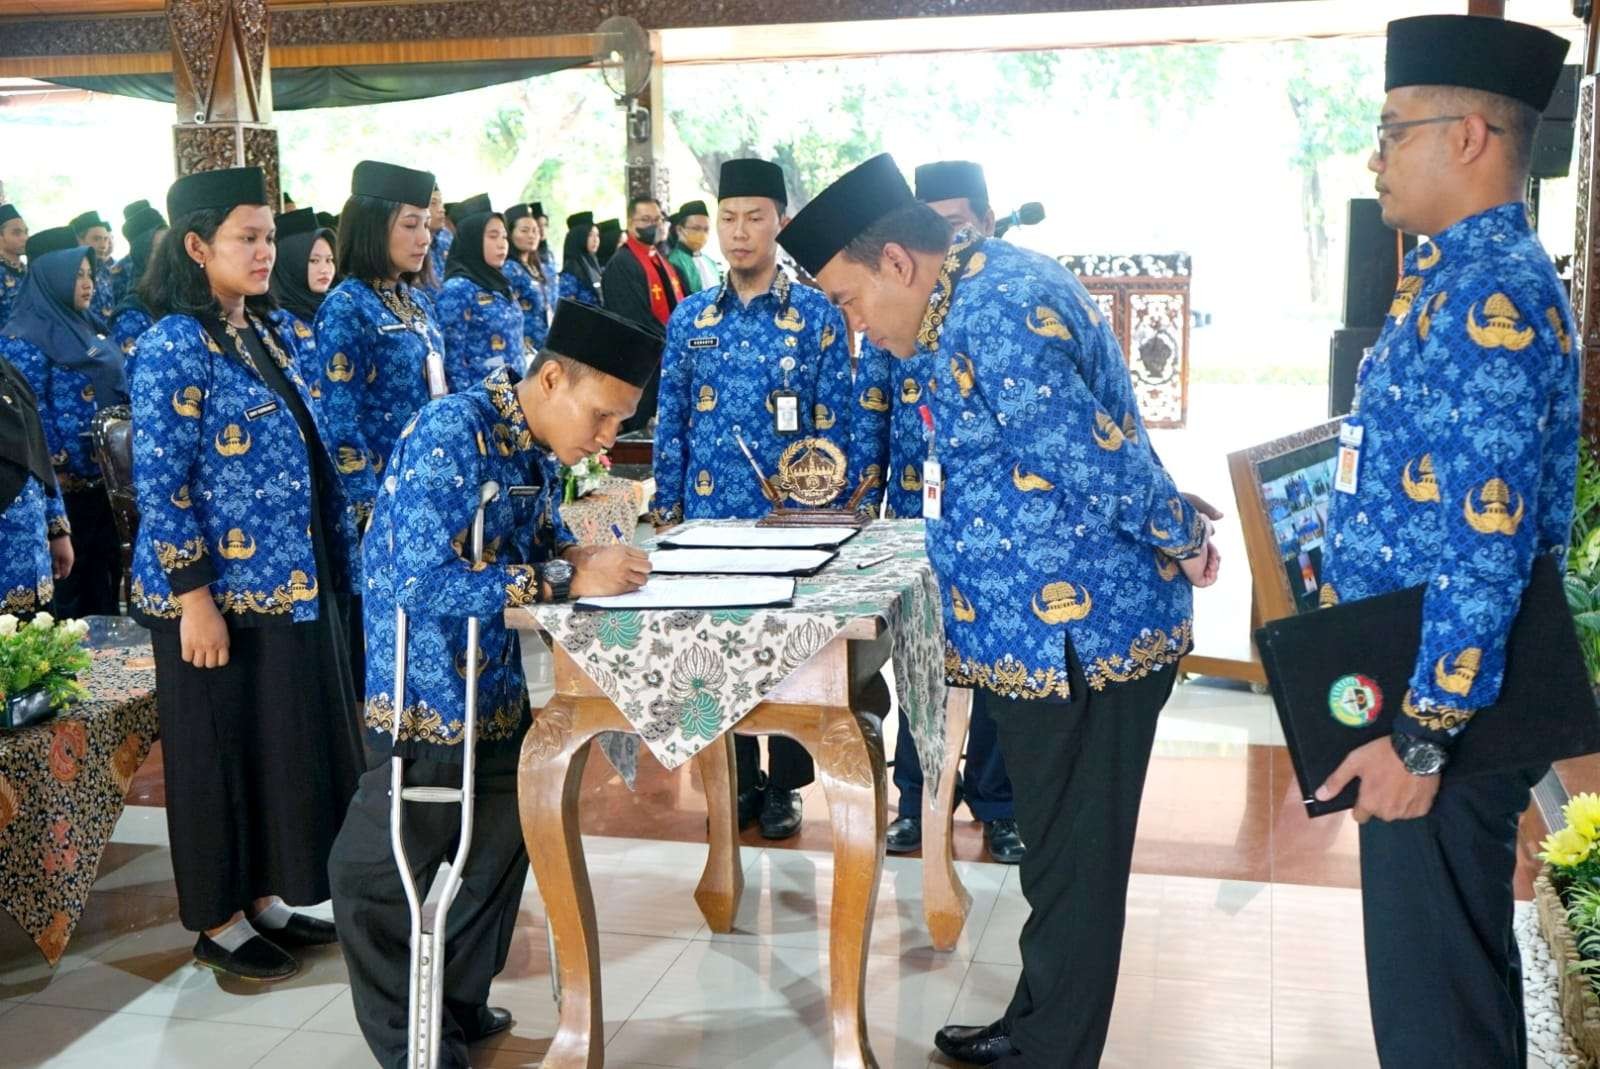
x: 558, y: 573
x: 1421, y: 757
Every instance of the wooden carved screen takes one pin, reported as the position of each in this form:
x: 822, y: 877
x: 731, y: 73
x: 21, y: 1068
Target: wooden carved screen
x: 1145, y: 298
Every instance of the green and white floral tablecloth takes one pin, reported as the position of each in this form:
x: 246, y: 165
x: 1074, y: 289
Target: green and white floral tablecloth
x: 684, y: 678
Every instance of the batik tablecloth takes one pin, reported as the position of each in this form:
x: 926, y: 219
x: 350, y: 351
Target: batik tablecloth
x: 616, y: 502
x: 62, y: 785
x: 684, y: 678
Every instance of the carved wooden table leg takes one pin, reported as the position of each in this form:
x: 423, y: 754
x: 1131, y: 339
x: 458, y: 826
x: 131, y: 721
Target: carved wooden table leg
x: 550, y: 774
x: 945, y: 901
x: 722, y: 883
x: 850, y: 764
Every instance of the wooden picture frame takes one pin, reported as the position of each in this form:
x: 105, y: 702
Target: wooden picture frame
x: 1283, y: 489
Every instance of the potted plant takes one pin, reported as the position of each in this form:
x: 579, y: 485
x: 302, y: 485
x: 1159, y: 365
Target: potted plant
x: 584, y: 477
x: 1583, y: 561
x: 39, y: 665
x: 1567, y: 899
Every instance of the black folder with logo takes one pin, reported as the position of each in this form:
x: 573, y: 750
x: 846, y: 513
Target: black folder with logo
x: 1338, y: 677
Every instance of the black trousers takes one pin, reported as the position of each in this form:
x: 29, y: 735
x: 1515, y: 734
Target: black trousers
x: 94, y: 587
x: 369, y: 903
x: 789, y: 767
x: 1078, y: 769
x: 984, y: 783
x: 1444, y: 975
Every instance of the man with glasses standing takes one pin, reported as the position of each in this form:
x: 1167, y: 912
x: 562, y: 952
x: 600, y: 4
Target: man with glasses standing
x: 1465, y: 429
x: 641, y: 287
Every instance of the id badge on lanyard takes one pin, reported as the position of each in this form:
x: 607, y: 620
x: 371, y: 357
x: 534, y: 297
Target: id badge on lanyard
x: 786, y: 403
x: 932, y: 472
x: 1347, y: 475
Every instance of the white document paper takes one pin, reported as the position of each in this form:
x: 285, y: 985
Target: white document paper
x: 738, y: 561
x: 699, y: 594
x: 760, y: 537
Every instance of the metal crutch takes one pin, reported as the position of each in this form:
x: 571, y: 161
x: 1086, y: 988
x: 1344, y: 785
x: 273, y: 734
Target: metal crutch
x: 428, y: 932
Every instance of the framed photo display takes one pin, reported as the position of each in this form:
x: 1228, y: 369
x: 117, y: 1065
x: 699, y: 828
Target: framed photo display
x: 1283, y: 489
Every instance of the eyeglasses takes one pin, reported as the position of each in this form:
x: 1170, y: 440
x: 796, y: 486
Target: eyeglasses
x: 698, y: 229
x: 1387, y: 130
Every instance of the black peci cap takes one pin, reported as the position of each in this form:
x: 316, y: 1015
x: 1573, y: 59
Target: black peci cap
x: 299, y: 221
x: 605, y: 341
x: 580, y: 219
x: 752, y: 178
x: 223, y: 190
x: 1480, y: 52
x: 388, y: 181
x: 950, y: 180
x: 83, y: 222
x: 54, y: 239
x: 844, y: 210
x: 8, y: 212
x: 142, y: 221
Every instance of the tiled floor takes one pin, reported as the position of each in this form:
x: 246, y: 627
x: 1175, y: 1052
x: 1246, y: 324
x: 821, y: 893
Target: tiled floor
x: 1242, y: 948
x: 1206, y: 951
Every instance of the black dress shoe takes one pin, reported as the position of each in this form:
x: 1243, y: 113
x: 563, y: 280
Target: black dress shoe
x: 977, y: 1045
x: 492, y: 1020
x: 259, y: 960
x: 1004, y: 841
x: 750, y: 801
x: 780, y: 814
x: 302, y: 931
x: 905, y: 835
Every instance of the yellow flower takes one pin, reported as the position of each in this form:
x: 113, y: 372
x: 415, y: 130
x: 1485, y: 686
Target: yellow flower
x: 1565, y: 848
x: 1583, y: 815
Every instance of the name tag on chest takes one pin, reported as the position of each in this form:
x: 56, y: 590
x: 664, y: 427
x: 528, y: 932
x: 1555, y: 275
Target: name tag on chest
x: 257, y: 412
x: 392, y: 328
x: 703, y: 343
x: 525, y: 491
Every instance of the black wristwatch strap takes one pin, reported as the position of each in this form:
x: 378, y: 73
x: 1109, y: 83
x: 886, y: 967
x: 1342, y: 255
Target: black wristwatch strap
x: 559, y: 591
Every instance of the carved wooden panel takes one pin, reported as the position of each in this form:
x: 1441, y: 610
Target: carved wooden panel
x: 219, y: 50
x: 1145, y: 299
x: 1586, y: 260
x: 424, y: 20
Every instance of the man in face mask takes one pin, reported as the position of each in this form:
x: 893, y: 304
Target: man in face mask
x: 691, y: 227
x: 641, y: 286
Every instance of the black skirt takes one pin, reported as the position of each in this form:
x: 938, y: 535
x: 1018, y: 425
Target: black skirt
x: 261, y: 759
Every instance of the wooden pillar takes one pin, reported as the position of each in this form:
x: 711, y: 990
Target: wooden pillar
x: 647, y: 141
x: 222, y: 87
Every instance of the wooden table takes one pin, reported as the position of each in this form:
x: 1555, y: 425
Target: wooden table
x: 818, y: 705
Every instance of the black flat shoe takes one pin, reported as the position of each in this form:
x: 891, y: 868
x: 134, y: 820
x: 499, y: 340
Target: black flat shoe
x: 303, y: 931
x: 904, y: 835
x: 976, y: 1045
x: 1004, y: 841
x: 492, y: 1020
x: 780, y: 815
x: 259, y: 960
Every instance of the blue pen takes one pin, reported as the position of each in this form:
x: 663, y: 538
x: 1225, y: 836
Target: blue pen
x: 620, y: 536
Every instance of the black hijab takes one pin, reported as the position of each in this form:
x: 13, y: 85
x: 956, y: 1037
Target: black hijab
x: 45, y: 316
x: 138, y: 258
x: 466, y: 255
x: 23, y: 451
x: 290, y: 284
x: 576, y: 259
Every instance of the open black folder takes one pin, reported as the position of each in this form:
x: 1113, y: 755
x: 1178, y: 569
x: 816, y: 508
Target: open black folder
x: 1338, y: 677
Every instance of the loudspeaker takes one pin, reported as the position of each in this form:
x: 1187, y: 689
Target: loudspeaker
x: 1552, y: 142
x: 1344, y: 356
x: 1370, y: 265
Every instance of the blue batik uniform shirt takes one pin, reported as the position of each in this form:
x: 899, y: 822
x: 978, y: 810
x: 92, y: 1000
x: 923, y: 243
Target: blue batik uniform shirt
x: 418, y: 551
x: 1468, y: 408
x: 374, y: 379
x: 482, y: 331
x: 1057, y: 519
x: 720, y: 370
x: 532, y: 299
x: 892, y: 442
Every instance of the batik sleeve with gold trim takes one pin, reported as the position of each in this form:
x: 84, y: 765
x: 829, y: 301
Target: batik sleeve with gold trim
x: 482, y: 331
x: 1079, y: 435
x: 168, y: 419
x: 342, y: 347
x: 1468, y: 405
x: 876, y: 401
x: 1487, y: 474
